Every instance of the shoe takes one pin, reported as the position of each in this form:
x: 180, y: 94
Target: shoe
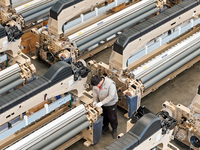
x: 114, y: 133
x: 105, y: 128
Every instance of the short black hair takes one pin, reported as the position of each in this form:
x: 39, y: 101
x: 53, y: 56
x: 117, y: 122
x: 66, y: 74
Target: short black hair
x: 95, y: 80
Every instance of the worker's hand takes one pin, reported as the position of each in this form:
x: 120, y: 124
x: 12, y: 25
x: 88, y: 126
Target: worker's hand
x: 94, y: 103
x: 99, y: 104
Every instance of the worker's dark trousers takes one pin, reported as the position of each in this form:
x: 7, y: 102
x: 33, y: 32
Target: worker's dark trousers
x: 110, y: 116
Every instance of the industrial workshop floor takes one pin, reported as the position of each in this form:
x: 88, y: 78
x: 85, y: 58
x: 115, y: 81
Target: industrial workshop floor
x: 182, y: 90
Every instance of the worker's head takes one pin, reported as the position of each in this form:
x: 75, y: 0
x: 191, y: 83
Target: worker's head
x: 95, y: 80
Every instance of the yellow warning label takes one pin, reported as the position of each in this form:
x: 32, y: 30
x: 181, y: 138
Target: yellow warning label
x: 80, y: 33
x: 145, y: 67
x: 26, y: 5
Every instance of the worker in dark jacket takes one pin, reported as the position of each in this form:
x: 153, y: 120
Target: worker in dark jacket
x: 105, y: 96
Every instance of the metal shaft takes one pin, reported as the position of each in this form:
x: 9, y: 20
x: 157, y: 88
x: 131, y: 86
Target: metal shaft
x: 9, y: 80
x: 66, y: 137
x: 38, y: 9
x: 57, y: 134
x: 171, y: 69
x: 11, y: 86
x: 169, y: 63
x: 116, y: 29
x: 114, y: 25
x: 9, y: 71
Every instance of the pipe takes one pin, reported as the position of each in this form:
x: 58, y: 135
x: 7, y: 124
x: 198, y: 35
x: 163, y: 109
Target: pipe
x: 109, y: 20
x: 171, y: 69
x: 9, y: 80
x: 38, y: 9
x: 30, y: 5
x: 115, y: 30
x: 11, y: 86
x: 59, y: 133
x: 169, y: 63
x: 66, y: 137
x: 9, y: 71
x: 41, y: 13
x: 114, y: 25
x: 16, y: 3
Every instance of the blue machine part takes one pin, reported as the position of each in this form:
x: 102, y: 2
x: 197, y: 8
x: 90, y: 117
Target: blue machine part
x: 97, y: 130
x: 58, y: 97
x: 67, y: 60
x: 132, y: 104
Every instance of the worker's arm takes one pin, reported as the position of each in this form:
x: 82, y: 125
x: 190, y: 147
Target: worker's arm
x: 111, y: 94
x: 95, y: 97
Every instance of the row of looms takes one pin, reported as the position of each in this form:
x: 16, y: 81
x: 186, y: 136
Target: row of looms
x: 152, y: 42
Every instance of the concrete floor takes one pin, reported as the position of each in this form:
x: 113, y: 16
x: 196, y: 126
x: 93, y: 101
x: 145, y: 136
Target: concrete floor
x: 182, y: 90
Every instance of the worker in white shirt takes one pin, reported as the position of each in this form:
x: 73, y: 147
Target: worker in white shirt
x: 105, y: 96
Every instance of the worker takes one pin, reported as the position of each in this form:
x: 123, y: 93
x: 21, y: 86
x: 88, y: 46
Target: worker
x: 105, y: 96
